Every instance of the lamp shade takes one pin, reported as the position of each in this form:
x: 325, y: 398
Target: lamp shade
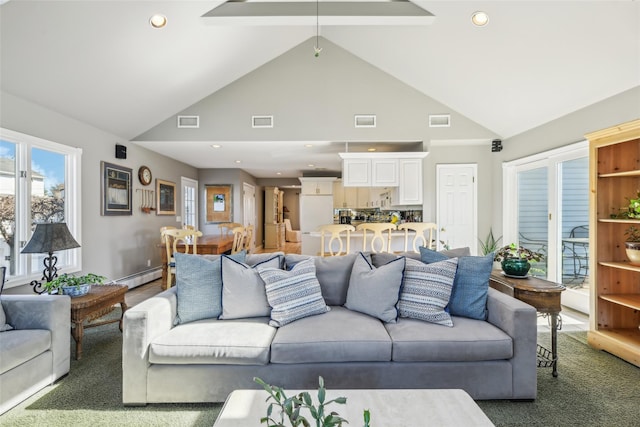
x: 50, y: 237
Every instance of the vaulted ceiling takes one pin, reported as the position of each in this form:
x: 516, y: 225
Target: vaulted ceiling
x: 101, y: 62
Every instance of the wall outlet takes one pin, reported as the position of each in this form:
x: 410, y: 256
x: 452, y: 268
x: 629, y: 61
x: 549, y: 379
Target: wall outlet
x: 148, y: 263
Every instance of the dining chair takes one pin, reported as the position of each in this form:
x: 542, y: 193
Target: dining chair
x: 173, y: 237
x: 420, y: 238
x: 227, y: 227
x: 162, y: 230
x: 248, y: 238
x: 377, y: 228
x: 336, y: 232
x: 238, y: 239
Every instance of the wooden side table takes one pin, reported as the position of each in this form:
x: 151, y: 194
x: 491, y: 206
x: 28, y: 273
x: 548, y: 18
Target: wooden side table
x: 541, y: 294
x: 97, y: 303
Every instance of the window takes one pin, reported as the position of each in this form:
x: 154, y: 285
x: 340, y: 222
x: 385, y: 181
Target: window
x: 39, y: 182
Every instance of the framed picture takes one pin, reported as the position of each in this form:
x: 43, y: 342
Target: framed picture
x: 166, y: 197
x: 219, y: 203
x: 116, y: 189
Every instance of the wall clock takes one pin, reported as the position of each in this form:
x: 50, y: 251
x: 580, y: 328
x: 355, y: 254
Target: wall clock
x: 144, y: 175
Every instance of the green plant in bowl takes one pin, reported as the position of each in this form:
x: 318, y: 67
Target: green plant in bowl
x: 73, y: 285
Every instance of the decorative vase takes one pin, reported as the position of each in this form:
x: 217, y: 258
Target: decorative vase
x: 76, y: 291
x: 633, y: 252
x: 516, y: 267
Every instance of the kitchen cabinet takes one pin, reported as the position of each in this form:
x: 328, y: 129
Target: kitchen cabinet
x: 409, y: 190
x: 363, y: 197
x: 614, y: 155
x: 360, y: 172
x: 273, y: 218
x: 344, y: 197
x: 317, y: 185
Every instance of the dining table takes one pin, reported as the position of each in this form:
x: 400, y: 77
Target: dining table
x: 208, y: 244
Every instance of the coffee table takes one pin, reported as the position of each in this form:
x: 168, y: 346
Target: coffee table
x: 397, y: 408
x: 97, y: 303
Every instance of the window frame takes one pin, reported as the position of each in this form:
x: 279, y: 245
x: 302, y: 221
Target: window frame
x: 72, y: 179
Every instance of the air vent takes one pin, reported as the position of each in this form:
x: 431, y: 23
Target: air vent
x: 439, y: 120
x: 366, y: 121
x: 261, y: 121
x: 188, y: 121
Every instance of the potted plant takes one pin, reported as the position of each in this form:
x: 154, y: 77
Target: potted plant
x: 516, y: 260
x: 632, y: 244
x: 490, y: 243
x: 74, y: 286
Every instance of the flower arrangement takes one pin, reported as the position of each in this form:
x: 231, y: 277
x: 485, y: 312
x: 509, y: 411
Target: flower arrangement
x: 518, y: 252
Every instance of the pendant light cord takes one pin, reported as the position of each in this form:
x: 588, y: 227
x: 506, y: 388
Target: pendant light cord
x: 317, y: 48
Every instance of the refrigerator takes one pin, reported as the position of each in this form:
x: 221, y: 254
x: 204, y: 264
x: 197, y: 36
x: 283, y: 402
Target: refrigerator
x: 315, y: 210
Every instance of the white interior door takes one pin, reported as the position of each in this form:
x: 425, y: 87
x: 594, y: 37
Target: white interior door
x: 249, y: 208
x: 457, y: 210
x: 189, y: 201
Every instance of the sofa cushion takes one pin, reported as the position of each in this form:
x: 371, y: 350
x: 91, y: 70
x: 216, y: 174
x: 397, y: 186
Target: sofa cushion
x: 333, y: 274
x: 293, y: 294
x: 19, y: 346
x: 210, y: 341
x: 199, y: 286
x: 375, y: 291
x: 340, y: 335
x: 255, y: 259
x: 4, y: 326
x: 243, y: 291
x: 426, y: 289
x: 470, y: 288
x: 382, y: 258
x: 468, y: 340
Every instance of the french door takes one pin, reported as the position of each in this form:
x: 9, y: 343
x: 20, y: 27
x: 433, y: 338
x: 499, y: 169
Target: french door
x: 189, y: 202
x: 546, y: 200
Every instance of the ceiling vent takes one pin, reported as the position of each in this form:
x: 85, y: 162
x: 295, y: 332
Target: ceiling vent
x: 439, y: 120
x: 188, y: 121
x: 261, y: 121
x: 365, y: 121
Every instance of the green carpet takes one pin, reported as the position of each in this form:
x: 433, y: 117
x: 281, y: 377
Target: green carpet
x: 593, y: 389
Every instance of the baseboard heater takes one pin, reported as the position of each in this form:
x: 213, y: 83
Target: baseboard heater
x: 140, y: 278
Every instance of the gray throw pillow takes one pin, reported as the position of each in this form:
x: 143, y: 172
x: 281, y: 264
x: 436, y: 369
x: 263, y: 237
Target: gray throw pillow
x: 375, y: 291
x: 199, y: 286
x: 332, y: 272
x: 243, y: 291
x: 471, y: 285
x: 426, y: 289
x: 4, y: 326
x: 293, y: 294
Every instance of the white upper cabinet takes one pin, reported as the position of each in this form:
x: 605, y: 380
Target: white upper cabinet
x: 409, y: 192
x: 356, y: 172
x: 384, y: 172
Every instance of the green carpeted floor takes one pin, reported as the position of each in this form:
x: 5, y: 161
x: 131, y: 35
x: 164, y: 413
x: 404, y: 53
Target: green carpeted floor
x: 593, y: 389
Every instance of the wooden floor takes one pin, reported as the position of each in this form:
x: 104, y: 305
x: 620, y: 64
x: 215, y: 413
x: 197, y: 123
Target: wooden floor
x: 143, y: 292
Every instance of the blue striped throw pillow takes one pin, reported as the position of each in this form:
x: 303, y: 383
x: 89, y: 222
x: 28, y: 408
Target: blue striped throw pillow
x: 293, y: 294
x: 426, y: 289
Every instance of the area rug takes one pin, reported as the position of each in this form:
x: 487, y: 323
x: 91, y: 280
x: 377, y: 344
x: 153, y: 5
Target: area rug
x: 593, y: 388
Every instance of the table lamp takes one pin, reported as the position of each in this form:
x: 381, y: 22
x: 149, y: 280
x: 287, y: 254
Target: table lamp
x: 49, y: 238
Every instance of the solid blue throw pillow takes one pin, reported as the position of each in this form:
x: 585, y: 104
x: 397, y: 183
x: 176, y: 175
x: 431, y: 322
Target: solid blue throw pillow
x: 471, y: 285
x: 199, y: 286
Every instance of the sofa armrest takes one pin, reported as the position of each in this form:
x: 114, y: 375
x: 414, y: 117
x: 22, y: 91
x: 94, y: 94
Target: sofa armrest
x: 518, y: 320
x: 142, y: 324
x: 50, y: 312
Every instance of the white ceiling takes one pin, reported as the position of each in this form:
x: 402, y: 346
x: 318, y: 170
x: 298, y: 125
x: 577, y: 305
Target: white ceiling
x: 100, y: 62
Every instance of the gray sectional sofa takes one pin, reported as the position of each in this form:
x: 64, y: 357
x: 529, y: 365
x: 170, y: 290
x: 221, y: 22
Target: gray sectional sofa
x: 34, y: 345
x: 206, y: 359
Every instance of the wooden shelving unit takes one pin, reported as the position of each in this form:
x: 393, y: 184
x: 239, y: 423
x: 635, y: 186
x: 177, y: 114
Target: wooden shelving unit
x: 615, y: 292
x: 273, y: 218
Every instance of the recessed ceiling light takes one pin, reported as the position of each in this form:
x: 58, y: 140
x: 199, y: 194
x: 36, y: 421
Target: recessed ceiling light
x: 278, y: 173
x: 216, y: 146
x: 158, y: 21
x: 311, y: 165
x: 371, y: 149
x: 308, y: 145
x: 479, y: 18
x: 238, y: 161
